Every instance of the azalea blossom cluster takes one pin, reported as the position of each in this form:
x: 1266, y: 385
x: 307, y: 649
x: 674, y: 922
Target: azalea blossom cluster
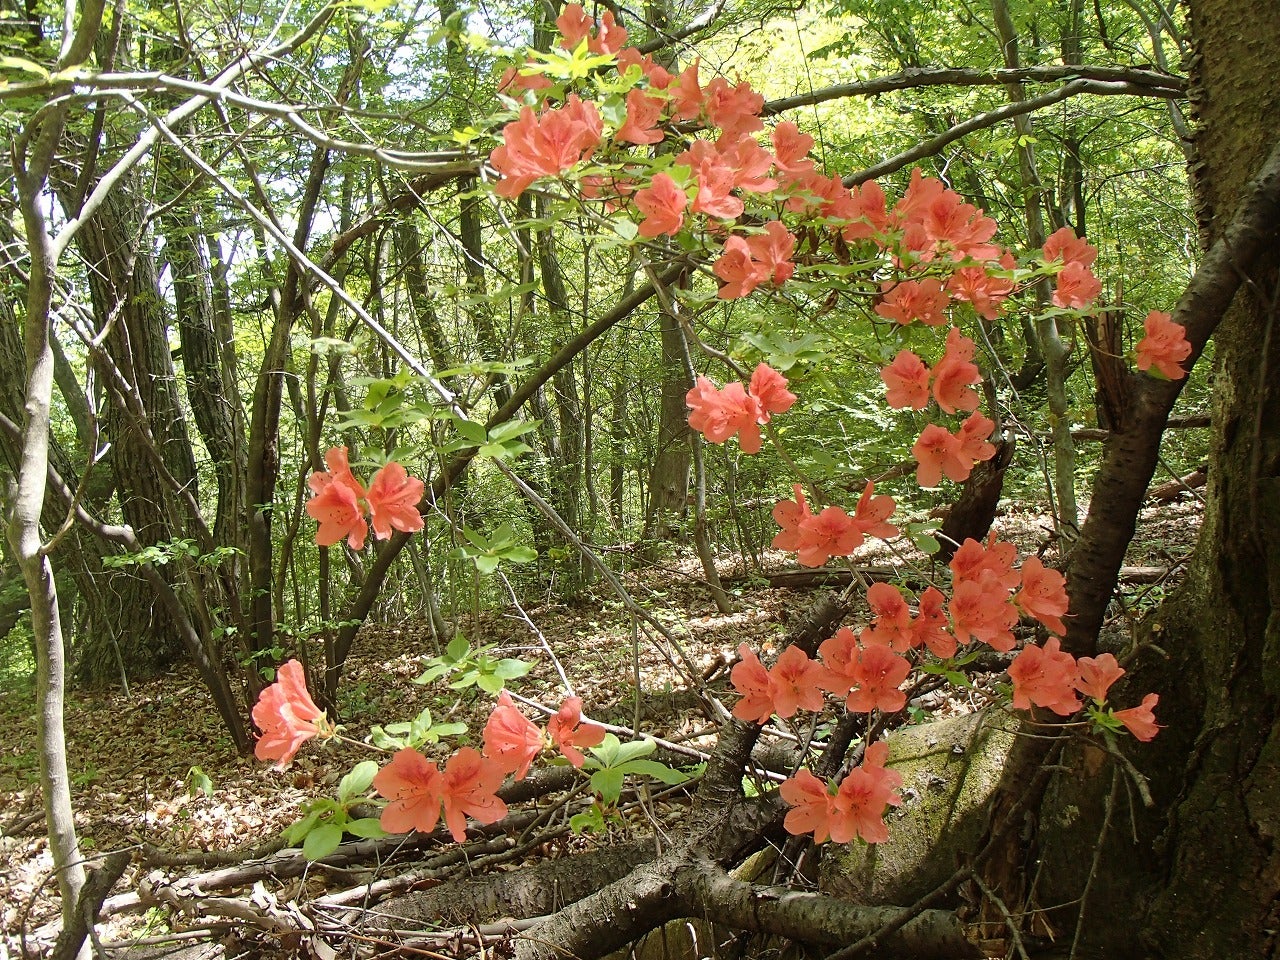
x: 868, y: 670
x: 339, y: 502
x: 719, y: 413
x: 417, y: 790
x: 831, y: 532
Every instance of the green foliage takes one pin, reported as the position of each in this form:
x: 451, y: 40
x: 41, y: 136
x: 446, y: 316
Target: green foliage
x: 612, y: 762
x: 415, y: 733
x: 466, y: 667
x: 503, y: 544
x: 325, y: 820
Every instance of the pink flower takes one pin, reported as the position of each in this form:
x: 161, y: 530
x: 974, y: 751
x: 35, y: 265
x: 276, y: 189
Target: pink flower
x: 663, y: 205
x: 1097, y: 674
x: 718, y: 414
x: 511, y: 740
x: 923, y: 300
x: 1077, y: 287
x: 938, y: 452
x: 286, y: 715
x: 954, y: 375
x: 1164, y: 347
x: 1045, y: 676
x: 1043, y: 594
x: 414, y: 787
x: 1141, y: 720
x: 393, y: 498
x: 569, y: 731
x: 335, y: 502
x: 770, y: 388
x: 908, y: 381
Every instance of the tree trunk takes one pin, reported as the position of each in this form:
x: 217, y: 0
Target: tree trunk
x: 1221, y: 896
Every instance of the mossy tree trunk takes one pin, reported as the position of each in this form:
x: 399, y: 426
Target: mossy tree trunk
x: 1221, y: 896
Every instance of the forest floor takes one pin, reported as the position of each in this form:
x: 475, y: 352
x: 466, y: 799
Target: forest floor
x: 137, y: 756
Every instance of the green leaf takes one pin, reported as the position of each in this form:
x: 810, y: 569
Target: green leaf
x: 490, y: 683
x: 322, y: 841
x: 633, y: 749
x: 367, y: 828
x: 510, y: 668
x: 458, y: 648
x: 626, y: 229
x: 608, y: 784
x: 520, y: 554
x: 357, y: 782
x: 652, y: 768
x: 470, y: 430
x: 487, y: 563
x: 199, y: 782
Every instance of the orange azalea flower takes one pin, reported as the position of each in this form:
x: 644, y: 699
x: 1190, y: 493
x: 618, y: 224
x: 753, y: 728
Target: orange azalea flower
x: 393, y: 501
x: 980, y: 609
x: 954, y: 375
x: 812, y: 806
x: 414, y: 786
x: 831, y: 533
x: 641, y: 125
x: 793, y: 684
x: 872, y: 512
x: 662, y: 203
x: 938, y: 452
x: 1164, y: 347
x: 511, y: 740
x: 1063, y: 245
x: 719, y: 413
x: 287, y: 716
x: 1047, y: 677
x: 789, y: 514
x: 908, y: 381
x: 569, y: 730
x: 878, y: 672
x: 862, y: 797
x: 1077, y: 287
x: 907, y: 300
x: 770, y: 388
x: 892, y: 624
x: 1043, y: 594
x: 1141, y: 720
x: 930, y: 625
x: 335, y: 502
x: 470, y: 787
x: 1097, y: 674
